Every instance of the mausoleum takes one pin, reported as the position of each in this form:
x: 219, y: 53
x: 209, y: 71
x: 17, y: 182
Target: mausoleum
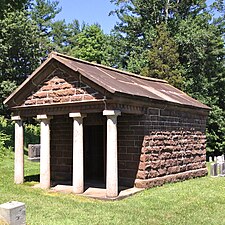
x: 100, y: 124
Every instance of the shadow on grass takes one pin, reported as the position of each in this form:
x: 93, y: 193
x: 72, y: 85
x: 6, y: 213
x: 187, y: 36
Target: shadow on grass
x: 31, y: 178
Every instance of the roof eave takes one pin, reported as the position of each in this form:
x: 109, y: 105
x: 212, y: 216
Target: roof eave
x: 147, y: 99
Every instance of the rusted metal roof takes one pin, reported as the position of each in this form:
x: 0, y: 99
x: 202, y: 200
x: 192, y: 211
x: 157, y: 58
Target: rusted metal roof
x: 117, y: 81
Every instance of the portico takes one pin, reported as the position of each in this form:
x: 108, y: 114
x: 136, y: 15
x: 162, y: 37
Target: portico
x: 78, y: 152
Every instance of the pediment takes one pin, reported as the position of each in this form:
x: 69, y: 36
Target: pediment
x: 60, y: 87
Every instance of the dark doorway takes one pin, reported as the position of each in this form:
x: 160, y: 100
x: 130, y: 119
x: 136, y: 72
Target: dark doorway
x: 94, y: 154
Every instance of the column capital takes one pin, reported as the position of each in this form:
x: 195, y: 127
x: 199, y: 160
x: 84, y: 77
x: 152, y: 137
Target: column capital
x: 77, y: 115
x: 15, y: 118
x: 44, y: 117
x: 111, y: 113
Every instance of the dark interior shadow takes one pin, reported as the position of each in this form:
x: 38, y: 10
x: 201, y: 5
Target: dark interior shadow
x: 25, y: 152
x: 94, y: 184
x: 30, y: 178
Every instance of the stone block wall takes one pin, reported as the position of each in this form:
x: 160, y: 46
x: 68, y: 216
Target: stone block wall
x: 61, y: 149
x: 161, y: 146
x: 130, y: 137
x: 60, y: 87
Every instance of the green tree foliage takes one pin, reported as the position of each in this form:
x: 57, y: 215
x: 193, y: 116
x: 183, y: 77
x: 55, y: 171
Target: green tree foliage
x: 64, y: 36
x: 163, y: 58
x: 216, y: 130
x: 6, y: 137
x: 114, y: 51
x: 59, y: 35
x: 139, y: 18
x: 21, y: 41
x: 19, y: 51
x: 19, y: 46
x: 202, y: 54
x: 6, y: 88
x: 90, y: 44
x: 43, y: 13
x: 31, y: 135
x: 12, y: 5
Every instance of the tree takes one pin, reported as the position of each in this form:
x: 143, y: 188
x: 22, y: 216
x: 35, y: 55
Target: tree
x: 163, y: 59
x: 43, y: 13
x: 19, y: 47
x: 6, y: 88
x: 90, y: 44
x: 202, y: 54
x: 59, y: 35
x: 74, y: 28
x: 139, y: 18
x: 12, y: 6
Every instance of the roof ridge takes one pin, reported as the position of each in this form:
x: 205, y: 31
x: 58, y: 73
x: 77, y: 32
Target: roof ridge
x: 106, y: 67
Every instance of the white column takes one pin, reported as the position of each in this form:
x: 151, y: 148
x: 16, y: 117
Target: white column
x: 19, y: 154
x: 111, y: 159
x: 45, y: 151
x: 78, y: 153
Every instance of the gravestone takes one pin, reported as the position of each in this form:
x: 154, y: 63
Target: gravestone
x: 223, y: 169
x: 14, y: 213
x: 219, y: 159
x: 218, y: 167
x: 213, y: 169
x: 34, y: 152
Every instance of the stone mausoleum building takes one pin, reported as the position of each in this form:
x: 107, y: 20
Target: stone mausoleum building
x: 100, y: 124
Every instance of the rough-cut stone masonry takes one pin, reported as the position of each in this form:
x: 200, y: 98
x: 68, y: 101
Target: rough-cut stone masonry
x: 61, y: 148
x: 161, y: 146
x: 61, y: 88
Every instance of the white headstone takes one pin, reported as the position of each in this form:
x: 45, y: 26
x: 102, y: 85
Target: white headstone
x: 219, y: 159
x: 214, y: 169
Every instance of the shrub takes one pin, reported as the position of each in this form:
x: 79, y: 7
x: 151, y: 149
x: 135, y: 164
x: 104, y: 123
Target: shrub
x: 6, y: 136
x: 31, y: 135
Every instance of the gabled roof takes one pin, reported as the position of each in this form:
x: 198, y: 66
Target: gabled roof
x: 114, y: 81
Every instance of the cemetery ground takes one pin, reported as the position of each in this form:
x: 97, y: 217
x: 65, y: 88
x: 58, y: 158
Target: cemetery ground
x: 196, y: 201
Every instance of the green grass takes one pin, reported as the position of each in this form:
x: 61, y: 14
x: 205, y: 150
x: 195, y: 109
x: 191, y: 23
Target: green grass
x: 197, y: 201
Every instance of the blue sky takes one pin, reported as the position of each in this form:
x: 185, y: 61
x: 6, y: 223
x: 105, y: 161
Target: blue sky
x: 90, y: 11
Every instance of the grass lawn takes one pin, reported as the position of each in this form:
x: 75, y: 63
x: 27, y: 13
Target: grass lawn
x: 197, y: 201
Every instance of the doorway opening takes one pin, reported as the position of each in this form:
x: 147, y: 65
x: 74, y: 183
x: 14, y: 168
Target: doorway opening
x: 94, y: 156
